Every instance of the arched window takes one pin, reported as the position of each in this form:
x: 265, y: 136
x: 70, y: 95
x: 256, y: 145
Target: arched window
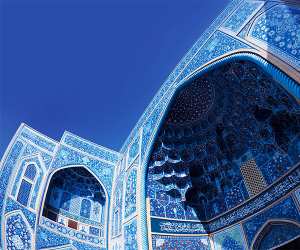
x: 76, y: 199
x: 85, y: 208
x: 26, y: 185
x: 30, y: 172
x: 276, y: 233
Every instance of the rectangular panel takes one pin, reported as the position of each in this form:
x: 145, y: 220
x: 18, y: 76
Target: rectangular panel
x: 24, y: 192
x: 253, y: 178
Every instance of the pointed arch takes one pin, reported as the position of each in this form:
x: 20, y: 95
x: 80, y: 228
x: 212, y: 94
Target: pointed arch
x: 27, y: 181
x: 278, y: 73
x: 80, y: 209
x: 280, y: 231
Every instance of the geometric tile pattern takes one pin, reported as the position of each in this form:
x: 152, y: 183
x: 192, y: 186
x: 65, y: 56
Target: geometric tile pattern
x: 229, y: 135
x: 18, y: 233
x: 240, y: 16
x: 130, y: 196
x: 278, y: 28
x: 117, y: 208
x: 231, y: 238
x: 130, y: 235
x: 162, y: 242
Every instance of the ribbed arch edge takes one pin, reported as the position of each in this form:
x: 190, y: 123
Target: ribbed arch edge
x: 289, y: 84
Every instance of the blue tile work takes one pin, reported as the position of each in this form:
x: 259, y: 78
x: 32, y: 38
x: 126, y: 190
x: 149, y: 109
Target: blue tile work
x: 34, y: 183
x: 17, y: 178
x: 218, y: 44
x: 276, y: 191
x: 151, y: 125
x: 38, y: 139
x: 164, y: 242
x: 66, y: 156
x: 12, y: 205
x: 18, y: 233
x: 276, y: 234
x: 31, y: 150
x: 231, y: 238
x: 82, y: 246
x: 285, y: 210
x: 159, y: 225
x: 90, y: 148
x: 277, y: 166
x: 117, y: 206
x: 6, y: 171
x: 76, y: 193
x: 247, y: 26
x: 190, y: 180
x: 245, y: 30
x: 130, y: 195
x: 133, y: 150
x: 117, y: 246
x: 148, y: 130
x: 71, y: 233
x: 130, y: 235
x: 24, y: 192
x: 181, y: 66
x: 36, y: 159
x: 279, y: 28
x: 219, y: 121
x: 30, y: 172
x: 45, y: 238
x: 237, y: 20
x: 94, y: 231
x: 85, y: 209
x: 297, y: 194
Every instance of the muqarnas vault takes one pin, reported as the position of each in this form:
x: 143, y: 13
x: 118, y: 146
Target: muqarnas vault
x: 213, y: 163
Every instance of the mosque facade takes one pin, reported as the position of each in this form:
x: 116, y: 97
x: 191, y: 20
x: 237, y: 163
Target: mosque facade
x: 213, y: 163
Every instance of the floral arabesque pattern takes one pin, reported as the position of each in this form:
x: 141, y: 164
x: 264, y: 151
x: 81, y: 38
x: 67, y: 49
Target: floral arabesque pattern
x: 279, y: 27
x: 18, y: 234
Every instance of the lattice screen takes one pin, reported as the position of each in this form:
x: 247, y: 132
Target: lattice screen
x: 253, y: 178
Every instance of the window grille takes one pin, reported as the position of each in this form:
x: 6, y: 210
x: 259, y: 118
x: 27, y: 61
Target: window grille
x: 253, y: 178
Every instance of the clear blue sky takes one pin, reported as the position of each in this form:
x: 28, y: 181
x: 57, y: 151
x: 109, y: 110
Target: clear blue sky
x: 92, y: 66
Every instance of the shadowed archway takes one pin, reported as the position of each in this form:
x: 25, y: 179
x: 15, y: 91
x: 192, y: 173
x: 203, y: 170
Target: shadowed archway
x: 276, y: 233
x: 76, y: 199
x: 226, y: 136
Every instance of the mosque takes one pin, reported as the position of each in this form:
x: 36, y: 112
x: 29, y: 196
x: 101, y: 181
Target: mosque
x: 213, y: 163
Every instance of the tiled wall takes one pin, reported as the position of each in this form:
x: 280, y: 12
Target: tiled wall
x: 27, y: 168
x: 245, y: 25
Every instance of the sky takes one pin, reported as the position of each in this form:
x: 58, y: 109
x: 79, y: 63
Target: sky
x: 90, y: 67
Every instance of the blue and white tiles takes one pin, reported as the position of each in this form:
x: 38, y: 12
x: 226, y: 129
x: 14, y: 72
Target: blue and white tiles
x: 279, y: 29
x: 242, y: 15
x: 189, y: 171
x: 231, y: 238
x: 18, y: 234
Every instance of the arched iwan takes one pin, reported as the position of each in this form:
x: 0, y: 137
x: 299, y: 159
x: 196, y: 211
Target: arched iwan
x: 76, y: 200
x: 280, y: 231
x: 217, y: 130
